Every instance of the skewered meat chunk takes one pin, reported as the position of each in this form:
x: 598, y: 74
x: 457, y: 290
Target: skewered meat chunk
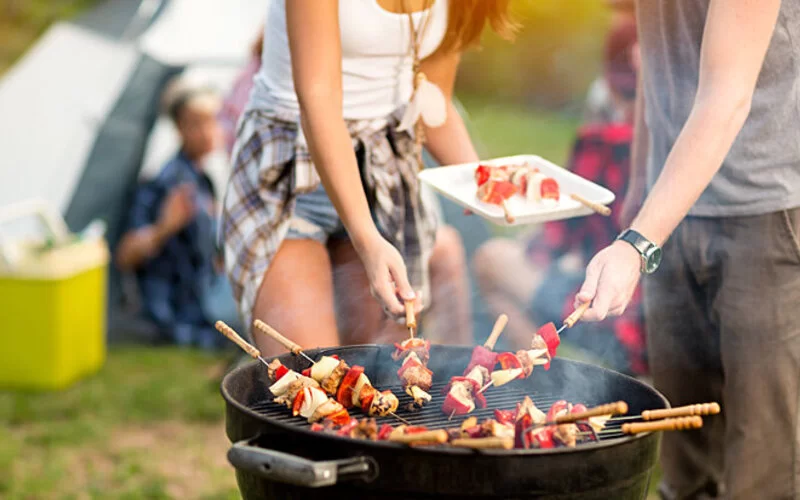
x: 365, y: 429
x: 566, y: 434
x: 330, y: 384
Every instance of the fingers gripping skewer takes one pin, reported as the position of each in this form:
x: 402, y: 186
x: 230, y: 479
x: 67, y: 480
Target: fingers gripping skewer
x: 297, y: 350
x: 236, y: 339
x: 288, y: 344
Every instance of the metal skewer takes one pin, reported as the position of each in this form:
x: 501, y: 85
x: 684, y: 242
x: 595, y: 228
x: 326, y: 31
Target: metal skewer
x: 574, y: 317
x: 297, y: 350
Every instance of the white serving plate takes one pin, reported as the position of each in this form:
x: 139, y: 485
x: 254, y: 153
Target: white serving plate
x: 457, y: 183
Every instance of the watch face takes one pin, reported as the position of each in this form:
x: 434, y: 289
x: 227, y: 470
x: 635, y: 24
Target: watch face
x: 652, y: 259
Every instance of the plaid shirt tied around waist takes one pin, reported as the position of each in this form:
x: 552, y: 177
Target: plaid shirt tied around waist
x: 272, y: 165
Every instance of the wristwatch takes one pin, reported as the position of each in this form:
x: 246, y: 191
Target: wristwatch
x: 650, y: 252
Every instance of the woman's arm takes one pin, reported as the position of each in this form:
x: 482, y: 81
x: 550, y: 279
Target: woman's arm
x: 450, y: 143
x: 736, y: 38
x: 315, y: 45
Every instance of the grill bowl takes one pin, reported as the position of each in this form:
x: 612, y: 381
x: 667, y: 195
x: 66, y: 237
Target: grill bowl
x: 278, y: 456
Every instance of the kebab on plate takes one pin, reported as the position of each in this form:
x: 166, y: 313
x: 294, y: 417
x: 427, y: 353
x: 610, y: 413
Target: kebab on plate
x: 497, y: 183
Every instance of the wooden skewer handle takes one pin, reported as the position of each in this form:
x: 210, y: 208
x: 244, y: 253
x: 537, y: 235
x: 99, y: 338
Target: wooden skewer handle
x: 576, y: 314
x: 484, y: 443
x: 682, y: 411
x: 271, y: 332
x: 411, y: 318
x: 600, y: 209
x: 507, y: 212
x: 669, y: 424
x: 499, y: 326
x: 439, y: 436
x: 236, y: 339
x: 618, y: 408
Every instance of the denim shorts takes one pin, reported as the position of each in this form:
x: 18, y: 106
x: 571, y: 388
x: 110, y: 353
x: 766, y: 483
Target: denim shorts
x: 315, y: 218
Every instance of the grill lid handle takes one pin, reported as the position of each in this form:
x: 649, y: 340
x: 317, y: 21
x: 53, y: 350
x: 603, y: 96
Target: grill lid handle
x: 291, y: 469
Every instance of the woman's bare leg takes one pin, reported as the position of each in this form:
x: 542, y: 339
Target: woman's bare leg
x: 450, y: 314
x: 507, y: 282
x: 361, y: 318
x: 296, y: 297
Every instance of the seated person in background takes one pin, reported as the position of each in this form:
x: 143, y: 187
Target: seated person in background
x: 535, y: 282
x: 170, y: 240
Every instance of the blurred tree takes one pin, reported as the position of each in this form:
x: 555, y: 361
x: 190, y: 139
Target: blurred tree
x: 22, y: 21
x: 553, y: 61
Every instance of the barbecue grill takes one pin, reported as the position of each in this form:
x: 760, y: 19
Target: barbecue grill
x: 277, y: 456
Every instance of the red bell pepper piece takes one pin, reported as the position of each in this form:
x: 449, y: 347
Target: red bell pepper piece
x: 556, y: 408
x: 550, y: 336
x: 306, y: 372
x: 542, y: 438
x: 383, y: 433
x: 345, y: 393
x: 335, y: 356
x: 482, y: 174
x: 509, y: 360
x: 521, y: 437
x: 505, y: 416
x: 341, y: 417
x: 415, y: 429
x: 298, y: 402
x: 366, y: 396
x: 280, y: 372
x: 549, y: 189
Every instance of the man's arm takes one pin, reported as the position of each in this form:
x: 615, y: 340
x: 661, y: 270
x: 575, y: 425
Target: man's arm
x: 735, y: 41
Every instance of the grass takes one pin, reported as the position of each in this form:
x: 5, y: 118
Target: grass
x: 148, y: 425
x: 22, y: 21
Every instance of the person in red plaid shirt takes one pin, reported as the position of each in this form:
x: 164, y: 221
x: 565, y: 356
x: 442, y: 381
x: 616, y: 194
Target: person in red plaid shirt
x: 535, y: 281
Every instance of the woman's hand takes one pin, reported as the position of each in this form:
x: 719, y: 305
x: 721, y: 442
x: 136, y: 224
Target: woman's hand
x: 611, y: 278
x: 387, y: 275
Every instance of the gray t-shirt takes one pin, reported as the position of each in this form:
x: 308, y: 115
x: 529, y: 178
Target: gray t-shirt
x: 761, y: 173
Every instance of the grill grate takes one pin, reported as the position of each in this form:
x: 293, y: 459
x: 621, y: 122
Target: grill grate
x: 431, y: 416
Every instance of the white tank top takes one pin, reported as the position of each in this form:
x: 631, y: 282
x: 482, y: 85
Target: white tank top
x: 376, y: 58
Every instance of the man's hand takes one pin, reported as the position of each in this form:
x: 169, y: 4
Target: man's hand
x: 177, y: 211
x: 611, y: 278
